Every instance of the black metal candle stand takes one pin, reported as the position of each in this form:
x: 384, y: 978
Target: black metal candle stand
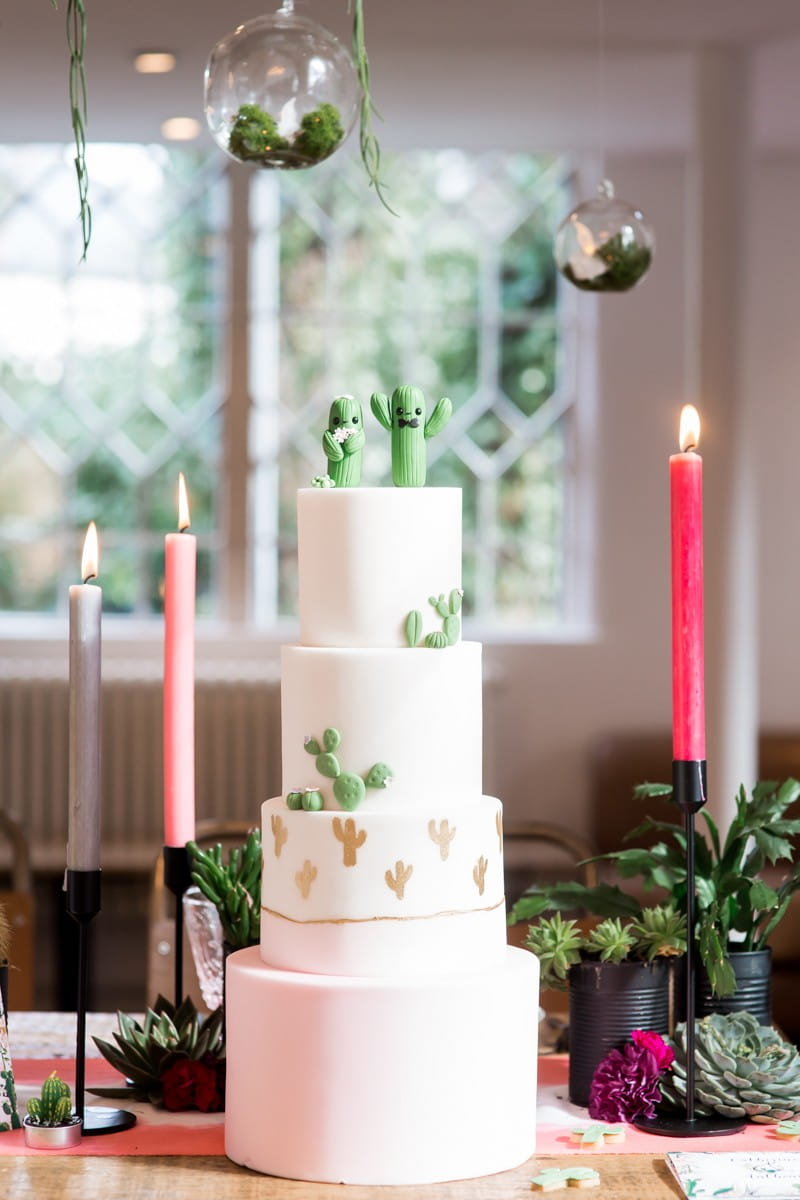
x: 177, y: 879
x: 689, y: 793
x: 83, y: 905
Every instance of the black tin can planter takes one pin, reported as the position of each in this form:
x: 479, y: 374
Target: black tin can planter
x: 607, y: 1001
x: 753, y: 971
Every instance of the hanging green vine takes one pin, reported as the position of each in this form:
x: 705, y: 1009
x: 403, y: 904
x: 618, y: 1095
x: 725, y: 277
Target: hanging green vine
x: 76, y: 43
x: 370, y: 149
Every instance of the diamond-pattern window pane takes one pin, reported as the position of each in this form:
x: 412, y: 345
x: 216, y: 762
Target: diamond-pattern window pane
x: 458, y: 296
x: 110, y: 370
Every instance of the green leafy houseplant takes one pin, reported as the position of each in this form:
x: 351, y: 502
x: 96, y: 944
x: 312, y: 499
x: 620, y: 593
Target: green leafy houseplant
x: 736, y: 908
x: 234, y: 887
x: 658, y: 932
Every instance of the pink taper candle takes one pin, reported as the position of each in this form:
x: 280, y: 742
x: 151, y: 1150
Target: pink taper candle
x: 686, y: 504
x: 85, y: 612
x: 179, y: 606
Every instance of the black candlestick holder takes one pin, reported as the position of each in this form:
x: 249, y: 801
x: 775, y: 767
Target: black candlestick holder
x: 177, y: 878
x: 689, y: 793
x: 83, y: 905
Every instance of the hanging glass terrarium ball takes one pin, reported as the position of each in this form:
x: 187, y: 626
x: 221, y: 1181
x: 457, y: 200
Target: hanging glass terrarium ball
x: 604, y: 245
x: 280, y: 91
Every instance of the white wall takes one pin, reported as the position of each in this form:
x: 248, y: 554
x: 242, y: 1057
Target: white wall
x: 745, y: 350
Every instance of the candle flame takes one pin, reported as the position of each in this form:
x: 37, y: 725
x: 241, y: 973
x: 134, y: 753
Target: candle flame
x: 184, y: 520
x: 689, y: 434
x: 91, y: 554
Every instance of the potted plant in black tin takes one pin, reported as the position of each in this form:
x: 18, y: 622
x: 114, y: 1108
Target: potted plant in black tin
x: 619, y: 977
x: 737, y: 905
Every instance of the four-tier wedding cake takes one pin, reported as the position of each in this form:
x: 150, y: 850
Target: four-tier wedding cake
x: 383, y: 1032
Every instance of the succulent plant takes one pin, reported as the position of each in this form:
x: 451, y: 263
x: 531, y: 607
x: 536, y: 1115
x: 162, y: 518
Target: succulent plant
x: 54, y: 1105
x: 144, y: 1052
x: 559, y: 944
x: 233, y: 886
x: 660, y: 932
x: 612, y: 940
x: 742, y: 1069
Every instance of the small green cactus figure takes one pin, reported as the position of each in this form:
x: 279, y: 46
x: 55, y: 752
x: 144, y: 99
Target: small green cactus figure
x: 343, y: 442
x: 404, y: 417
x: 54, y: 1106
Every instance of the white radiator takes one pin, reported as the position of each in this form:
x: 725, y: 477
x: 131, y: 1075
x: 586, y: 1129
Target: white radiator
x: 237, y: 761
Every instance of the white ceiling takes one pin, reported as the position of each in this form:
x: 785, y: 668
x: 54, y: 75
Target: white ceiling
x: 122, y: 105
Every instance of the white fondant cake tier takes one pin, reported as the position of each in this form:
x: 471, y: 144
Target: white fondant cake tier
x: 417, y: 711
x: 369, y: 556
x: 357, y: 893
x: 392, y: 1081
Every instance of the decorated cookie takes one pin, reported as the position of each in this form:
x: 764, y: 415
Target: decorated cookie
x: 790, y: 1130
x: 596, y: 1134
x: 554, y: 1179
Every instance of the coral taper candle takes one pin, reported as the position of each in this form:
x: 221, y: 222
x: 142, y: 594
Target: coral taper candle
x: 85, y: 610
x: 686, y: 504
x: 179, y: 606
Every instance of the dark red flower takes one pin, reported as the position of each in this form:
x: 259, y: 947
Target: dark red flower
x: 188, y: 1083
x: 625, y: 1085
x: 654, y: 1042
x: 177, y: 1085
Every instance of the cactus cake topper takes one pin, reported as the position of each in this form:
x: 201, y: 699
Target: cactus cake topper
x: 343, y: 443
x: 349, y: 789
x: 449, y: 611
x: 404, y: 416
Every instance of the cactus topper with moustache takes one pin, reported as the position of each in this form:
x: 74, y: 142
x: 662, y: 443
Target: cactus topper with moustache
x: 404, y: 416
x: 343, y: 442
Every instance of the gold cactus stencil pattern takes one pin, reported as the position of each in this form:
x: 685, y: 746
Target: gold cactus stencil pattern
x: 498, y: 822
x: 442, y: 837
x: 398, y: 881
x: 305, y: 878
x: 479, y: 874
x: 351, y: 841
x: 279, y: 832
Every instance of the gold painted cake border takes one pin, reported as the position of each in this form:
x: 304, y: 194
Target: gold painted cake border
x: 455, y: 912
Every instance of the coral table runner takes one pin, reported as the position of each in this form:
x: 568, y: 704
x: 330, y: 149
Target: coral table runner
x: 158, y: 1132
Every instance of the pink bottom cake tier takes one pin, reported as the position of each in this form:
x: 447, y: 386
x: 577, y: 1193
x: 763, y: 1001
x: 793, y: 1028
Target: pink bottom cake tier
x: 404, y: 1080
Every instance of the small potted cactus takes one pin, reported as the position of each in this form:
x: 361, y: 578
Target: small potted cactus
x: 50, y: 1123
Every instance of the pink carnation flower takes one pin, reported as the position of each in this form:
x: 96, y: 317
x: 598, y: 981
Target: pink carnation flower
x: 654, y: 1042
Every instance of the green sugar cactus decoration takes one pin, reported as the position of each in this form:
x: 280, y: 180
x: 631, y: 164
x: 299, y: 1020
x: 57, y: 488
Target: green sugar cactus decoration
x: 404, y: 416
x: 343, y: 442
x: 348, y: 788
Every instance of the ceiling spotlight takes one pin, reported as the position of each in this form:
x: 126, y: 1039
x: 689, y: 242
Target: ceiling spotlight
x: 154, y: 62
x: 180, y: 129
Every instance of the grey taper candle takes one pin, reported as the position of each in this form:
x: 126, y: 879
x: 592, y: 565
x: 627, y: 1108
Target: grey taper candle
x: 85, y: 609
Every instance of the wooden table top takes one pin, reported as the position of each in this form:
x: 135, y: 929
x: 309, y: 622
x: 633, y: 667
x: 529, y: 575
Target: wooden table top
x: 61, y: 1177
